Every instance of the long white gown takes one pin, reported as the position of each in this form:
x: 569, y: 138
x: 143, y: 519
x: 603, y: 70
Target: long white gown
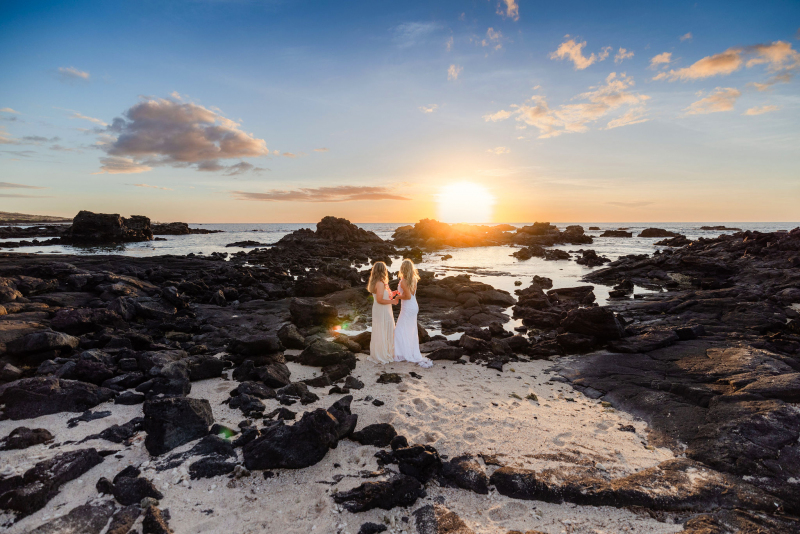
x: 381, y: 346
x: 406, y: 335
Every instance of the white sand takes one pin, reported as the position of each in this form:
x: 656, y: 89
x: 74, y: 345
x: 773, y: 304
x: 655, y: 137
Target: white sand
x: 451, y: 408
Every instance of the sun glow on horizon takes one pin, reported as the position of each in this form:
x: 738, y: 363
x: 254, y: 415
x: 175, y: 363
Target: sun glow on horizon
x: 465, y: 202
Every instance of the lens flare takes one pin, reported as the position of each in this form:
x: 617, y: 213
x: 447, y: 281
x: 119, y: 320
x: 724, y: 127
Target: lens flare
x: 465, y: 202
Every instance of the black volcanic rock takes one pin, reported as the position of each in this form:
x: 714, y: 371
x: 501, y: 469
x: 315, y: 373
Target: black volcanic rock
x: 400, y: 490
x: 23, y: 437
x: 90, y: 228
x: 171, y: 422
x: 34, y: 397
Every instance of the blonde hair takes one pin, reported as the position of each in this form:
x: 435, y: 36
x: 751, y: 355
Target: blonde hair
x: 409, y: 273
x: 379, y: 274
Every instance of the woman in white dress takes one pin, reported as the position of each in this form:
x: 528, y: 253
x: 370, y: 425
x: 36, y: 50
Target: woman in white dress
x: 406, y: 336
x: 381, y: 346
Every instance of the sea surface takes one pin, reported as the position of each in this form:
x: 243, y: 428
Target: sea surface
x: 492, y: 265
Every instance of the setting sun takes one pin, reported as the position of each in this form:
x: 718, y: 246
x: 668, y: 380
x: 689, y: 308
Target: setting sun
x: 465, y: 202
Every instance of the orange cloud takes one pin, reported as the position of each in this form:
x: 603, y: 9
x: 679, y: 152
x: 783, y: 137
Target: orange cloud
x: 508, y: 9
x: 760, y: 110
x: 723, y: 99
x: 573, y: 51
x: 778, y: 56
x: 342, y: 193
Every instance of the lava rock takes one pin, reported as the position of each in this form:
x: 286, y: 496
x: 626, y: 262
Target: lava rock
x: 33, y: 397
x: 131, y: 490
x: 290, y: 337
x: 389, y: 378
x: 595, y: 321
x: 436, y: 519
x: 400, y: 490
x: 312, y: 312
x: 379, y: 435
x: 171, y: 422
x: 23, y: 437
x: 323, y: 353
x: 154, y: 522
x: 466, y: 473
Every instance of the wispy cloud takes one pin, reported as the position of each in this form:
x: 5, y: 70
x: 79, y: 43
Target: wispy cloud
x: 573, y: 51
x: 493, y: 39
x: 778, y: 78
x: 449, y: 43
x: 322, y: 149
x: 158, y: 131
x: 343, y: 193
x: 453, y: 72
x: 153, y: 187
x: 686, y: 37
x: 68, y: 74
x: 778, y: 56
x: 760, y: 110
x: 622, y: 55
x: 13, y: 195
x: 410, y: 34
x: 508, y: 9
x: 241, y: 168
x: 6, y: 139
x: 722, y: 99
x: 572, y: 118
x: 429, y: 109
x: 499, y: 151
x: 665, y: 58
x: 78, y: 115
x: 10, y: 185
x: 8, y: 110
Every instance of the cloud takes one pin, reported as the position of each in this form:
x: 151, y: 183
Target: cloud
x: 156, y: 132
x: 760, y: 110
x: 13, y: 195
x: 508, y: 9
x: 6, y: 139
x: 10, y: 185
x: 409, y: 34
x: 78, y: 115
x: 342, y: 193
x: 38, y: 139
x: 68, y: 74
x: 778, y: 56
x: 622, y: 55
x: 604, y: 53
x: 120, y: 165
x: 152, y: 187
x: 665, y: 58
x: 493, y: 39
x: 60, y: 148
x: 8, y: 110
x: 429, y: 109
x: 722, y: 99
x: 573, y: 118
x: 500, y: 150
x: 686, y: 37
x: 632, y: 204
x: 241, y: 168
x: 323, y: 149
x: 574, y: 51
x: 453, y: 72
x: 778, y: 78
x: 289, y: 155
x: 449, y: 44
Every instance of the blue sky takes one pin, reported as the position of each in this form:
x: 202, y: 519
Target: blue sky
x: 234, y: 111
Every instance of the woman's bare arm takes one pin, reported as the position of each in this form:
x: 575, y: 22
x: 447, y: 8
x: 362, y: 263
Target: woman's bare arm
x: 379, y: 288
x: 406, y: 294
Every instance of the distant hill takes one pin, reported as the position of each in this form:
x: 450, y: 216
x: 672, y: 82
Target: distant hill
x: 7, y: 217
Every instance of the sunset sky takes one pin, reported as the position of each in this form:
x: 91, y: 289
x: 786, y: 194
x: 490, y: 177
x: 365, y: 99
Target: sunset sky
x: 286, y: 111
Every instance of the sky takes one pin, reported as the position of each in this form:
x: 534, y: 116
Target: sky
x: 495, y: 110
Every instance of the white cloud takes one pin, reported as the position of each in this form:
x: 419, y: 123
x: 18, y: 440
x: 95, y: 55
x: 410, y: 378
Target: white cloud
x: 118, y: 165
x: 77, y: 115
x: 686, y: 37
x: 429, y: 109
x: 9, y: 110
x: 493, y: 39
x: 604, y: 53
x: 760, y: 110
x: 622, y: 55
x: 722, y: 99
x: 500, y: 150
x: 409, y: 34
x: 449, y: 43
x: 573, y: 50
x: 453, y: 72
x: 71, y: 74
x: 508, y: 9
x: 153, y: 187
x: 601, y: 100
x: 661, y: 59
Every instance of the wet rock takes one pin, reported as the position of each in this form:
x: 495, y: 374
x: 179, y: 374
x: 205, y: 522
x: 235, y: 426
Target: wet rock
x: 171, y: 422
x: 595, y: 321
x: 646, y: 342
x: 322, y: 353
x: 33, y: 397
x: 303, y: 444
x: 290, y: 337
x: 90, y: 518
x: 572, y: 343
x: 686, y: 333
x: 155, y: 522
x: 466, y: 473
x: 400, y: 490
x: 23, y: 437
x: 87, y: 416
x: 318, y: 285
x: 589, y: 258
x: 379, y: 435
x: 312, y: 312
x: 616, y: 233
x: 436, y: 519
x: 31, y: 492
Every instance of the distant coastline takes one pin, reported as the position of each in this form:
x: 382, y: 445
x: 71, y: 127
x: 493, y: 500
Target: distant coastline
x: 7, y: 217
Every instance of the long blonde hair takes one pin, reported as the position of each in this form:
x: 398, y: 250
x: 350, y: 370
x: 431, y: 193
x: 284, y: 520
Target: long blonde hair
x: 409, y: 273
x: 379, y: 274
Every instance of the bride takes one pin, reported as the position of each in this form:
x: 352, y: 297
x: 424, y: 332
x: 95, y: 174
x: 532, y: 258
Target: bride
x: 381, y: 346
x: 406, y: 336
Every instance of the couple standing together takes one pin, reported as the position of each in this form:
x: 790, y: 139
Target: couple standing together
x: 392, y: 343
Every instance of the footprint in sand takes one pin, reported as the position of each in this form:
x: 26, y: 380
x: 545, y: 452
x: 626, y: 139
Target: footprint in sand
x: 558, y: 441
x: 421, y: 405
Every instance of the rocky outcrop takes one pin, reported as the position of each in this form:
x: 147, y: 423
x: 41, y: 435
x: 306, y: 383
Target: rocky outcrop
x: 34, y: 397
x: 90, y: 228
x: 178, y: 228
x: 171, y: 422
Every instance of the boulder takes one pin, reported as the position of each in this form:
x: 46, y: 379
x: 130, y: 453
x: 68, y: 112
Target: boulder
x: 90, y: 228
x: 595, y: 321
x: 446, y: 353
x: 171, y: 422
x: 83, y: 320
x: 42, y: 341
x: 34, y: 397
x: 256, y: 345
x: 465, y: 472
x: 318, y: 285
x: 322, y: 353
x: 658, y: 232
x: 400, y: 490
x: 23, y: 437
x: 290, y: 337
x: 312, y: 312
x: 436, y: 519
x: 131, y: 490
x: 378, y: 434
x: 90, y: 518
x: 154, y: 522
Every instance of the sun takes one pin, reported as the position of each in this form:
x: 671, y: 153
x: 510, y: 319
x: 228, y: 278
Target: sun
x: 465, y: 202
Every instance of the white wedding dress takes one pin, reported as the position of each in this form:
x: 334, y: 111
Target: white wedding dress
x: 381, y: 346
x: 406, y: 336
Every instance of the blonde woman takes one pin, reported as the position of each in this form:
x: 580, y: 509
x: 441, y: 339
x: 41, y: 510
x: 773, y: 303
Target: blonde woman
x: 406, y: 336
x: 381, y: 346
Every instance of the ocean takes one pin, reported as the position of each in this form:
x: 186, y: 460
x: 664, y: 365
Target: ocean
x: 492, y: 265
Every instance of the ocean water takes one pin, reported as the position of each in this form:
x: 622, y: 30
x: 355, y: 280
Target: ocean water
x: 492, y: 265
